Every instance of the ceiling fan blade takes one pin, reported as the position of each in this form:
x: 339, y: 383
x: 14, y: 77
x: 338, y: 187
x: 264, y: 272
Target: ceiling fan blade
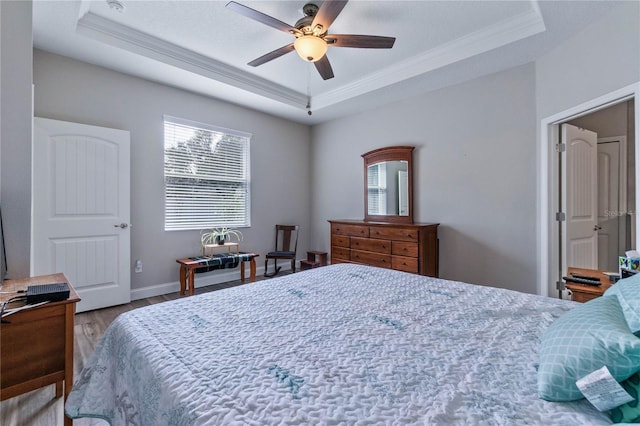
x: 324, y: 68
x: 328, y: 12
x: 363, y: 41
x: 261, y: 17
x: 272, y: 55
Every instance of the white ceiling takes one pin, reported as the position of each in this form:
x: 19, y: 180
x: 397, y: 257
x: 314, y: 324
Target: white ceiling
x: 204, y: 47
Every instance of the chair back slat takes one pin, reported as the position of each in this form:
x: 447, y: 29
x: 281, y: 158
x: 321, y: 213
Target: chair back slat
x: 288, y: 236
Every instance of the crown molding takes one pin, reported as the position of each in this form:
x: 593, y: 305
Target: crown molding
x: 502, y: 33
x: 491, y: 37
x: 124, y: 37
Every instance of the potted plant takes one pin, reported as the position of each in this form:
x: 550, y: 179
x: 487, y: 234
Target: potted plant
x: 218, y: 236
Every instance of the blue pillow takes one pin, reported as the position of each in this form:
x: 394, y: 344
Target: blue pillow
x: 628, y: 292
x: 629, y: 412
x: 581, y: 341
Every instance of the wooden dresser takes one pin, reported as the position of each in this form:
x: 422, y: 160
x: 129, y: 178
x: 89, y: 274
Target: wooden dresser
x: 405, y: 247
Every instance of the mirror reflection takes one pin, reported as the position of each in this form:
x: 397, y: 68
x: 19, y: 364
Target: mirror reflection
x: 388, y: 188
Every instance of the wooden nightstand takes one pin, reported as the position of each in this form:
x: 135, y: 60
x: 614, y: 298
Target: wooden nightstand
x: 36, y: 344
x: 582, y: 292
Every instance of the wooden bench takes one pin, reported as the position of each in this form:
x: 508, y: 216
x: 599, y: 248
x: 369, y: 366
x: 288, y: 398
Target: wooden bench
x: 190, y: 265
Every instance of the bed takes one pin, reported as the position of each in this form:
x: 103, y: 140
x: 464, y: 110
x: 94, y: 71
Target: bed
x: 342, y: 344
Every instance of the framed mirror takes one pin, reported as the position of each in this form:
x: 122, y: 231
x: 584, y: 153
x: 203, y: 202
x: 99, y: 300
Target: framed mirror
x: 388, y: 185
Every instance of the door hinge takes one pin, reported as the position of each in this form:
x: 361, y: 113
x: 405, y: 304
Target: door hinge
x: 560, y: 285
x: 561, y: 217
x: 561, y: 147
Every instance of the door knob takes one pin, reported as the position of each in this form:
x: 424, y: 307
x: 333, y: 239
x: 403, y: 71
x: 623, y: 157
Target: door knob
x: 597, y: 228
x: 122, y: 225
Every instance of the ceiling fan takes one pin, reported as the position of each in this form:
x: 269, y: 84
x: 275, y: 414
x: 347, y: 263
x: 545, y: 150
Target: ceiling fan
x: 312, y: 38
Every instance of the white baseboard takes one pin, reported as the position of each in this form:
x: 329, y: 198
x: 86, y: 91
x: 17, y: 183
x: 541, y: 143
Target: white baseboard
x: 202, y: 280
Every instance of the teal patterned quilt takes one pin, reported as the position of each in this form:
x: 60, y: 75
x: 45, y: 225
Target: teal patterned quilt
x: 342, y: 344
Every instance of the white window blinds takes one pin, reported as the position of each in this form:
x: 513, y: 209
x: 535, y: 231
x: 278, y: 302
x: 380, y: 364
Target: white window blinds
x: 206, y: 175
x: 377, y: 188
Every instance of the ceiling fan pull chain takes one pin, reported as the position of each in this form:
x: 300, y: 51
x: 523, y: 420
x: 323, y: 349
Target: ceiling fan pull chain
x: 309, y: 89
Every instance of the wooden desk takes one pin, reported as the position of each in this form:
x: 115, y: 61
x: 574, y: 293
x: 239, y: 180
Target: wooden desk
x: 584, y: 293
x: 189, y: 265
x: 36, y: 345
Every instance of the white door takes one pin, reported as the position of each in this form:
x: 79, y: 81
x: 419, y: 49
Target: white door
x: 81, y: 209
x: 580, y: 194
x: 610, y: 215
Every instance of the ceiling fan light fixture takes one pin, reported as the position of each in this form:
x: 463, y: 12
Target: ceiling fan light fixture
x: 310, y: 48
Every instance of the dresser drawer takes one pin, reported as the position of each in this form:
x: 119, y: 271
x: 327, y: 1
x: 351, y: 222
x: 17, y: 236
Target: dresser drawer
x: 373, y: 259
x: 406, y: 264
x: 353, y: 230
x: 339, y: 241
x: 396, y: 234
x: 340, y: 253
x: 402, y: 248
x: 371, y: 244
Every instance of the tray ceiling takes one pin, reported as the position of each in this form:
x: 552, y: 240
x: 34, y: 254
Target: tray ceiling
x: 204, y: 47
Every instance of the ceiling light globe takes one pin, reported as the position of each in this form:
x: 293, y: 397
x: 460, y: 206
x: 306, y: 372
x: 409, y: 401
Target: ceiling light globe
x: 310, y: 48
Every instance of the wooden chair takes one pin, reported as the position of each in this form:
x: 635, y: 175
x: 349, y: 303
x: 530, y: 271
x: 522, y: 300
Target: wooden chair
x: 286, y: 247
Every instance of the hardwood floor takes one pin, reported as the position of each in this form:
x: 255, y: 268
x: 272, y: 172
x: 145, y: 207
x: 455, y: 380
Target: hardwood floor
x: 40, y: 407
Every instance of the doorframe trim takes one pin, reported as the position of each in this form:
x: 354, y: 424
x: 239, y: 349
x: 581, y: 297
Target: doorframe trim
x: 623, y: 209
x: 547, y: 188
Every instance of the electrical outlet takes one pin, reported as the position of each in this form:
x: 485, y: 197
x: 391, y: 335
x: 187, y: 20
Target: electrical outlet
x: 138, y: 267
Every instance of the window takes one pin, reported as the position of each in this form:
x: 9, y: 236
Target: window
x: 377, y: 187
x: 206, y: 176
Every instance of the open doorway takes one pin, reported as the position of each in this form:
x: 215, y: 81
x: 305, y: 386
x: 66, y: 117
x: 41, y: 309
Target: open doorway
x: 550, y: 203
x: 597, y: 191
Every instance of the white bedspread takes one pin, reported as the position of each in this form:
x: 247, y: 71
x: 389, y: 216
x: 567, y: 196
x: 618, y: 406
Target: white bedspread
x: 342, y: 344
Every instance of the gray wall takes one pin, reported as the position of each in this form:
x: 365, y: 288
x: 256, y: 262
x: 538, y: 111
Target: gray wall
x: 604, y: 57
x: 474, y: 173
x: 69, y: 90
x: 15, y: 132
